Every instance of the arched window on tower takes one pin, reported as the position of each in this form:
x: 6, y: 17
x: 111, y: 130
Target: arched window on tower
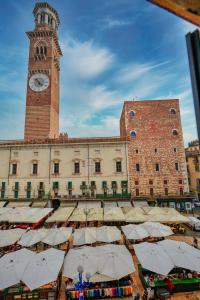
x: 37, y: 50
x: 41, y: 50
x: 42, y: 18
x: 45, y: 50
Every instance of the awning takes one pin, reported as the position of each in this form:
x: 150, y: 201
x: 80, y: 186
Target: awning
x: 124, y: 204
x: 140, y: 203
x: 113, y: 214
x: 89, y: 204
x: 41, y: 204
x: 2, y: 203
x: 18, y: 204
x: 110, y: 204
x: 95, y: 214
x: 60, y: 215
x: 10, y: 236
x: 78, y: 215
x: 68, y: 203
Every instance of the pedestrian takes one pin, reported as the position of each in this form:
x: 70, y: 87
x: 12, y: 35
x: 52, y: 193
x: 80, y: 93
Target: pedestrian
x: 145, y: 295
x: 195, y: 243
x: 137, y: 296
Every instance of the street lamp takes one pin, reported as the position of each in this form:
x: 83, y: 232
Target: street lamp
x: 80, y: 284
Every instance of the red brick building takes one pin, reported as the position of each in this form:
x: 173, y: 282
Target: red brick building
x: 156, y: 156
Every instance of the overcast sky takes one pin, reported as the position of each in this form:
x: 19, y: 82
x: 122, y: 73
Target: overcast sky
x: 113, y: 50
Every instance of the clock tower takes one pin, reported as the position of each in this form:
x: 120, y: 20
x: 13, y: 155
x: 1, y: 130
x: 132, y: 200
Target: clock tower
x: 42, y: 99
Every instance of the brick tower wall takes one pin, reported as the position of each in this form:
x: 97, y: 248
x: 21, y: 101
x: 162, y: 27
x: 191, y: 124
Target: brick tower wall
x: 154, y: 144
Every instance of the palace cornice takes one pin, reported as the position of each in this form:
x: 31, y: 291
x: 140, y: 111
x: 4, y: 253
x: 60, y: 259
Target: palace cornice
x: 66, y: 141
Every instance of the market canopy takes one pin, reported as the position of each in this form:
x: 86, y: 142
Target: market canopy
x: 83, y: 236
x: 85, y: 257
x: 95, y: 214
x: 89, y: 204
x: 134, y: 232
x: 43, y: 268
x: 114, y: 261
x: 156, y: 229
x: 134, y: 214
x: 56, y: 236
x: 62, y: 214
x: 124, y: 204
x: 78, y: 215
x: 153, y: 258
x: 182, y: 254
x: 24, y: 215
x: 18, y: 204
x: 110, y: 204
x: 32, y: 237
x: 113, y: 214
x: 67, y: 203
x: 108, y: 234
x: 12, y: 266
x: 41, y: 204
x: 10, y: 236
x: 2, y: 203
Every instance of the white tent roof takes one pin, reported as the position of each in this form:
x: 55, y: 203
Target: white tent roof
x: 110, y: 204
x: 134, y: 232
x: 67, y: 203
x: 153, y: 258
x: 108, y: 234
x: 85, y: 257
x: 32, y: 237
x: 134, y: 214
x: 25, y: 214
x: 182, y: 254
x: 39, y: 204
x: 78, y: 215
x: 2, y: 203
x: 56, y: 236
x: 113, y: 214
x: 114, y: 261
x: 140, y: 203
x: 124, y: 204
x: 89, y: 204
x: 95, y: 214
x: 12, y: 266
x: 18, y: 204
x: 10, y: 236
x: 156, y: 229
x: 62, y: 214
x: 83, y: 236
x: 43, y: 268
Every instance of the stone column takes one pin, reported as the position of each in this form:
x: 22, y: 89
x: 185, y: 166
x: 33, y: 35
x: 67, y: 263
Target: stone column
x: 46, y: 18
x: 39, y: 18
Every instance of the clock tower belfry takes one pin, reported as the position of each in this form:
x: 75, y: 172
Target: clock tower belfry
x: 42, y: 99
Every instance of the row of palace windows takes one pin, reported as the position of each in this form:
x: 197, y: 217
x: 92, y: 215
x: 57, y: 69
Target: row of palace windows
x: 157, y: 167
x: 172, y: 111
x: 151, y: 191
x: 165, y: 182
x: 56, y: 168
x: 133, y: 133
x: 156, y: 150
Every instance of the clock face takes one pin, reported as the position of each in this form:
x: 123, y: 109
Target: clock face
x: 39, y: 82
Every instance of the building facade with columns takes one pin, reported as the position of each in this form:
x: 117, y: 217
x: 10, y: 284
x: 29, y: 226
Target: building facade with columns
x: 147, y: 159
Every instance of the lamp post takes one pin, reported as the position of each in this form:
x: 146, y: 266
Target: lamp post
x: 80, y: 284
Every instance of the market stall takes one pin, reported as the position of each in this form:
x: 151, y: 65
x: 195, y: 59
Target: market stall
x: 62, y: 214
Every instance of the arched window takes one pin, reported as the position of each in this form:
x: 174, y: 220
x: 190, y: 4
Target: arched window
x: 174, y: 132
x: 41, y: 50
x: 132, y: 114
x: 42, y: 18
x: 37, y: 50
x: 45, y: 50
x: 172, y: 111
x: 133, y: 133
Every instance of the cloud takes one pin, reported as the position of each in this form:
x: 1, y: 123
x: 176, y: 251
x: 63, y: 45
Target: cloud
x: 85, y: 60
x: 109, y: 23
x: 136, y: 71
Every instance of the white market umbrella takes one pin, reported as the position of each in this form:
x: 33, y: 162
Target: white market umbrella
x: 10, y: 236
x: 153, y: 258
x: 156, y: 229
x: 12, y: 266
x: 32, y: 237
x: 85, y: 257
x: 43, y: 268
x: 182, y: 254
x: 84, y: 236
x: 134, y: 232
x: 115, y: 261
x: 56, y: 236
x: 108, y: 234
